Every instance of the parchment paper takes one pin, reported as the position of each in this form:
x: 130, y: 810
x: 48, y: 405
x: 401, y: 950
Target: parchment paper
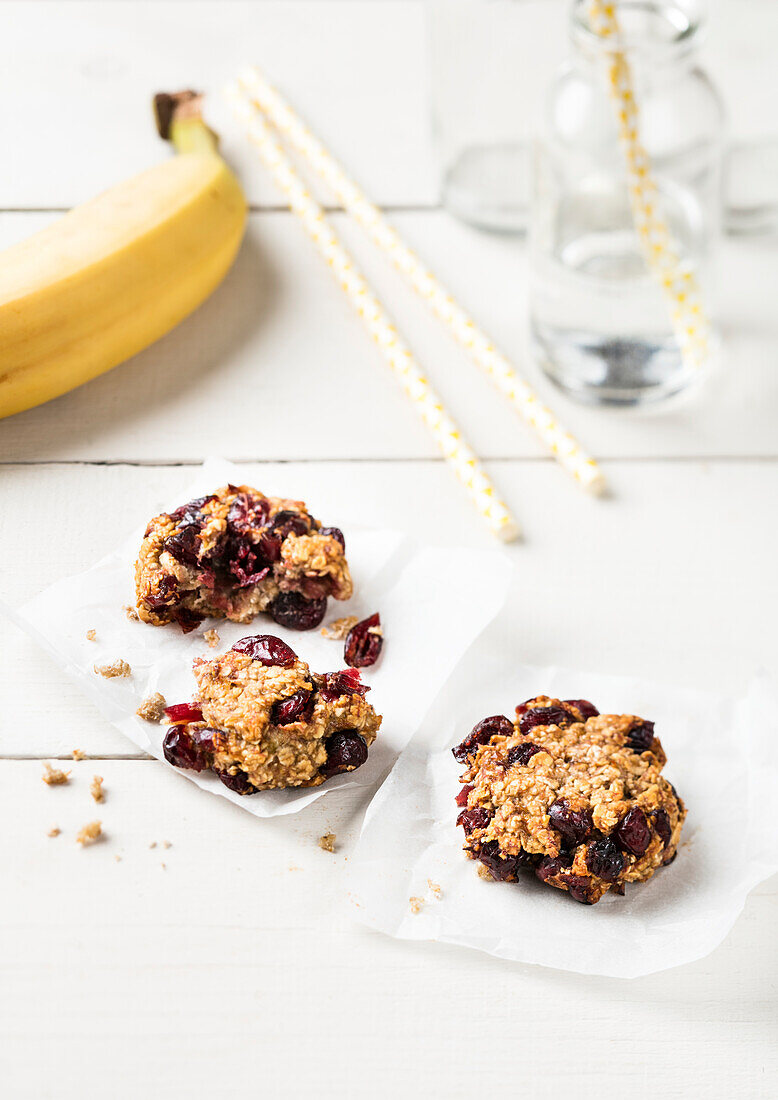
x: 722, y: 758
x: 427, y: 627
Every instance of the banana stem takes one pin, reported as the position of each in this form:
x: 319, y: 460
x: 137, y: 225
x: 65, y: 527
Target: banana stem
x: 179, y: 120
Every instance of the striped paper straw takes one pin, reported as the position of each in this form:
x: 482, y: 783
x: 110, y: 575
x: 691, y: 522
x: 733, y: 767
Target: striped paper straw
x: 399, y: 357
x: 483, y: 352
x: 675, y: 275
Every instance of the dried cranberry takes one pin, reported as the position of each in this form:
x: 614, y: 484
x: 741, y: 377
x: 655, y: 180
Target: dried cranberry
x: 297, y: 708
x: 520, y: 754
x: 184, y: 712
x: 191, y: 509
x: 240, y: 782
x: 481, y: 733
x: 662, y: 826
x: 574, y: 825
x: 632, y: 832
x: 640, y: 736
x: 578, y: 887
x: 184, y: 749
x: 293, y: 611
x: 364, y: 643
x: 186, y: 619
x: 346, y: 750
x: 551, y: 866
x: 334, y: 533
x: 184, y: 544
x: 291, y: 523
x: 247, y: 513
x: 544, y: 716
x: 587, y: 709
x: 500, y: 866
x: 461, y: 799
x: 476, y: 818
x: 167, y: 590
x: 347, y: 682
x: 604, y: 859
x: 269, y: 547
x: 267, y: 649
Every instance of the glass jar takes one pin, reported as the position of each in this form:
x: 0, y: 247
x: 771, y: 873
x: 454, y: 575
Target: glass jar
x: 480, y: 84
x: 601, y: 319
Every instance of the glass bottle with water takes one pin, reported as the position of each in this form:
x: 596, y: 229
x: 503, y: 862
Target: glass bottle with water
x: 602, y: 320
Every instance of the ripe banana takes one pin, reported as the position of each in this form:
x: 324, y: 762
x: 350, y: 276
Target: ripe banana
x: 115, y: 274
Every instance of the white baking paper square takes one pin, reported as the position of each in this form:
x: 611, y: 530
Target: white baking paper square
x: 722, y: 758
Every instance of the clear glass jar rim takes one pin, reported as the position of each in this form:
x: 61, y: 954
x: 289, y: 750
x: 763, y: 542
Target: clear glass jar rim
x: 680, y: 20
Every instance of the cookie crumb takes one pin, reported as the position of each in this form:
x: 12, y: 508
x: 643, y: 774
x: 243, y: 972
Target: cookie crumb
x: 163, y: 866
x: 417, y: 904
x: 96, y: 788
x: 131, y: 613
x: 484, y: 873
x: 166, y: 844
x: 119, y: 667
x: 55, y: 831
x: 152, y: 709
x: 118, y: 859
x: 53, y: 777
x: 91, y: 635
x: 90, y: 833
x: 211, y: 637
x: 434, y: 888
x: 77, y: 754
x: 327, y: 842
x: 153, y: 844
x: 339, y: 628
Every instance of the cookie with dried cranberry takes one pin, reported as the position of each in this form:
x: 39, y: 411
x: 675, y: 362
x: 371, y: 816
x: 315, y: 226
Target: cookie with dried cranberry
x: 574, y: 795
x: 263, y: 720
x: 236, y: 553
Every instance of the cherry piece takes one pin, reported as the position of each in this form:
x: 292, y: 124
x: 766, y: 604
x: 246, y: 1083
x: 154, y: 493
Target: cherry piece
x: 267, y: 649
x: 364, y: 643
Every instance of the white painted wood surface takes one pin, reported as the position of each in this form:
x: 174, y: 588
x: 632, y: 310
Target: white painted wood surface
x: 237, y: 970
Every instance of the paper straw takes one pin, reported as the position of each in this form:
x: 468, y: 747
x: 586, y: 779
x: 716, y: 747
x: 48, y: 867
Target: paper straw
x: 676, y: 276
x: 399, y: 357
x: 564, y: 447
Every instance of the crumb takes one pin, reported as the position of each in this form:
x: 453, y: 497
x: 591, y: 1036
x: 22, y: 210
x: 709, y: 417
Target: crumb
x: 53, y: 777
x: 339, y: 628
x: 131, y: 613
x: 96, y: 788
x: 211, y: 637
x: 77, y: 754
x: 417, y: 904
x: 166, y: 844
x: 91, y: 635
x: 163, y: 866
x: 90, y: 833
x: 119, y: 667
x: 484, y: 873
x: 54, y: 832
x: 434, y: 888
x: 152, y: 708
x: 118, y: 859
x: 327, y: 842
x: 153, y: 844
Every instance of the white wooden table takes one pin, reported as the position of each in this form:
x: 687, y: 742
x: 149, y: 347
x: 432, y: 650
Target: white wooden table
x: 229, y: 964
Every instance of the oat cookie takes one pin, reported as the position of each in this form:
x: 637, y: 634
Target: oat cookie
x: 262, y: 719
x: 236, y: 553
x: 575, y: 795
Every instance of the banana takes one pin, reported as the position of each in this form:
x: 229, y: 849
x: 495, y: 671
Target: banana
x: 113, y: 275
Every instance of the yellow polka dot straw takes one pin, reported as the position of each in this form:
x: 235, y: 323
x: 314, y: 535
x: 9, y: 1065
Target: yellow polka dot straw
x: 399, y: 357
x: 675, y: 275
x: 480, y: 348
